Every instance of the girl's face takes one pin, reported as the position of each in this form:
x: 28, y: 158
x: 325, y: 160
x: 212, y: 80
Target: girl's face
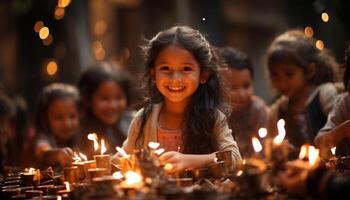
x: 108, y: 102
x: 176, y: 73
x: 63, y: 118
x: 288, y: 79
x: 239, y: 85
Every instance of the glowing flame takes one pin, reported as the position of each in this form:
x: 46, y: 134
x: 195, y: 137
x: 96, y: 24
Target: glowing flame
x: 239, y: 173
x: 215, y: 159
x: 333, y: 150
x: 313, y: 155
x: 122, y: 152
x: 117, y: 175
x: 159, y: 151
x: 153, y: 145
x: 168, y: 167
x: 244, y: 161
x: 103, y: 147
x: 83, y: 157
x: 256, y: 144
x: 76, y: 157
x: 132, y: 178
x: 31, y: 170
x: 262, y: 132
x: 67, y: 185
x: 303, y: 151
x: 93, y: 137
x: 281, y: 132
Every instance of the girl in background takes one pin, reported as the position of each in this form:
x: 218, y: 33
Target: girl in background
x: 184, y: 94
x: 249, y: 112
x: 57, y: 124
x: 105, y: 97
x: 303, y: 75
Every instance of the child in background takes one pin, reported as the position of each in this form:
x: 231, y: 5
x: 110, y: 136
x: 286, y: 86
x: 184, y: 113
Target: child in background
x: 249, y: 112
x: 303, y: 75
x: 105, y: 97
x: 184, y: 94
x: 57, y: 124
x: 336, y: 132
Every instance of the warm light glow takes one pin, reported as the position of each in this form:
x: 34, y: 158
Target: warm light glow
x: 59, y: 13
x: 159, y: 151
x: 239, y: 173
x: 313, y: 155
x: 168, y: 167
x: 47, y: 41
x: 262, y: 132
x: 93, y: 137
x: 281, y: 132
x: 325, y: 17
x: 44, y: 32
x: 215, y: 159
x: 100, y: 27
x: 63, y: 3
x: 83, y: 156
x: 76, y: 157
x: 38, y: 25
x: 51, y: 68
x: 256, y: 144
x: 31, y: 171
x: 117, y: 175
x: 333, y: 150
x: 303, y: 151
x: 308, y: 31
x: 153, y: 145
x: 319, y: 44
x: 122, y: 152
x: 244, y: 161
x: 103, y: 147
x: 67, y: 185
x: 132, y: 178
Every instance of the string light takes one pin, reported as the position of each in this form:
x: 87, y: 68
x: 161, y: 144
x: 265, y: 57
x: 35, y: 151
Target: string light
x: 325, y: 17
x: 319, y: 44
x: 308, y: 31
x: 44, y: 32
x: 51, y: 68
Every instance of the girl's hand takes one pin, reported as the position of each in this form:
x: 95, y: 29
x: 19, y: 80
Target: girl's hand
x: 178, y: 161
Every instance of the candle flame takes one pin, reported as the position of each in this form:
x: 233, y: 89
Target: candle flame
x: 122, y: 152
x: 132, y: 178
x: 76, y: 157
x: 159, y: 151
x: 93, y: 137
x: 256, y: 144
x: 313, y: 155
x: 244, y: 161
x: 31, y: 170
x: 153, y: 145
x: 262, y: 132
x: 304, y: 151
x: 281, y: 132
x: 83, y: 156
x: 215, y: 159
x: 103, y: 147
x: 333, y: 150
x: 67, y: 185
x: 168, y: 167
x: 117, y: 175
x: 239, y: 173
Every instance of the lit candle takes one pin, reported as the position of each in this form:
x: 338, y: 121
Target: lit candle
x: 103, y: 161
x: 27, y: 177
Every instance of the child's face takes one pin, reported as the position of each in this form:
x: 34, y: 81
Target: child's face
x: 63, y: 118
x: 288, y: 79
x: 108, y: 102
x: 177, y: 74
x: 239, y: 86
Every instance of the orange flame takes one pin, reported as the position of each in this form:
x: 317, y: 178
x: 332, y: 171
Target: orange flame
x: 159, y: 151
x: 132, y: 178
x: 256, y: 144
x: 304, y: 151
x: 153, y: 145
x: 281, y: 132
x: 117, y: 175
x: 67, y: 185
x: 31, y: 170
x: 313, y: 155
x: 76, y: 157
x: 262, y: 132
x: 83, y: 156
x: 239, y: 173
x: 103, y: 147
x: 122, y: 152
x: 333, y: 150
x: 93, y: 137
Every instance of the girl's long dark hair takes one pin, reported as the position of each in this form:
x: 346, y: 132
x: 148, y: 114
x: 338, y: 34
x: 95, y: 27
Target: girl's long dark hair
x: 346, y: 76
x: 293, y: 47
x: 201, y: 112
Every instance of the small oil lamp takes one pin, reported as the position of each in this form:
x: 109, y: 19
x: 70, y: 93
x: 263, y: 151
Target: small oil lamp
x: 126, y: 161
x: 27, y: 177
x: 103, y: 161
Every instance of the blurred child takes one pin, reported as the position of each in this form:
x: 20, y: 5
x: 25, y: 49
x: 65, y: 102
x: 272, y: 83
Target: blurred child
x: 184, y: 94
x: 336, y: 132
x: 303, y: 75
x: 249, y: 112
x: 57, y: 124
x: 105, y: 99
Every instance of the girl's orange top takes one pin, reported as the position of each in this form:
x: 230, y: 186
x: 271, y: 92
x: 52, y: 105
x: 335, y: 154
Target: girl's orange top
x: 170, y: 140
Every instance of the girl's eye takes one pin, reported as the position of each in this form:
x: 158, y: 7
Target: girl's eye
x: 164, y: 68
x: 187, y: 68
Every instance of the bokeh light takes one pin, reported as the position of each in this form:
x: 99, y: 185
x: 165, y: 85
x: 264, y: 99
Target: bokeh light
x: 308, y: 31
x: 51, y: 68
x: 44, y: 32
x: 320, y: 44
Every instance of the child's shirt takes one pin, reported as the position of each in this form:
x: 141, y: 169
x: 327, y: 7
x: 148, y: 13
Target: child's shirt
x: 170, y: 140
x: 221, y: 130
x: 302, y: 128
x: 246, y: 124
x: 339, y: 114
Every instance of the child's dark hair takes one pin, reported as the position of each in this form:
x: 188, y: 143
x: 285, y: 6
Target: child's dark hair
x: 236, y: 59
x: 293, y: 47
x: 95, y: 75
x: 198, y: 127
x: 51, y: 93
x: 347, y: 69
